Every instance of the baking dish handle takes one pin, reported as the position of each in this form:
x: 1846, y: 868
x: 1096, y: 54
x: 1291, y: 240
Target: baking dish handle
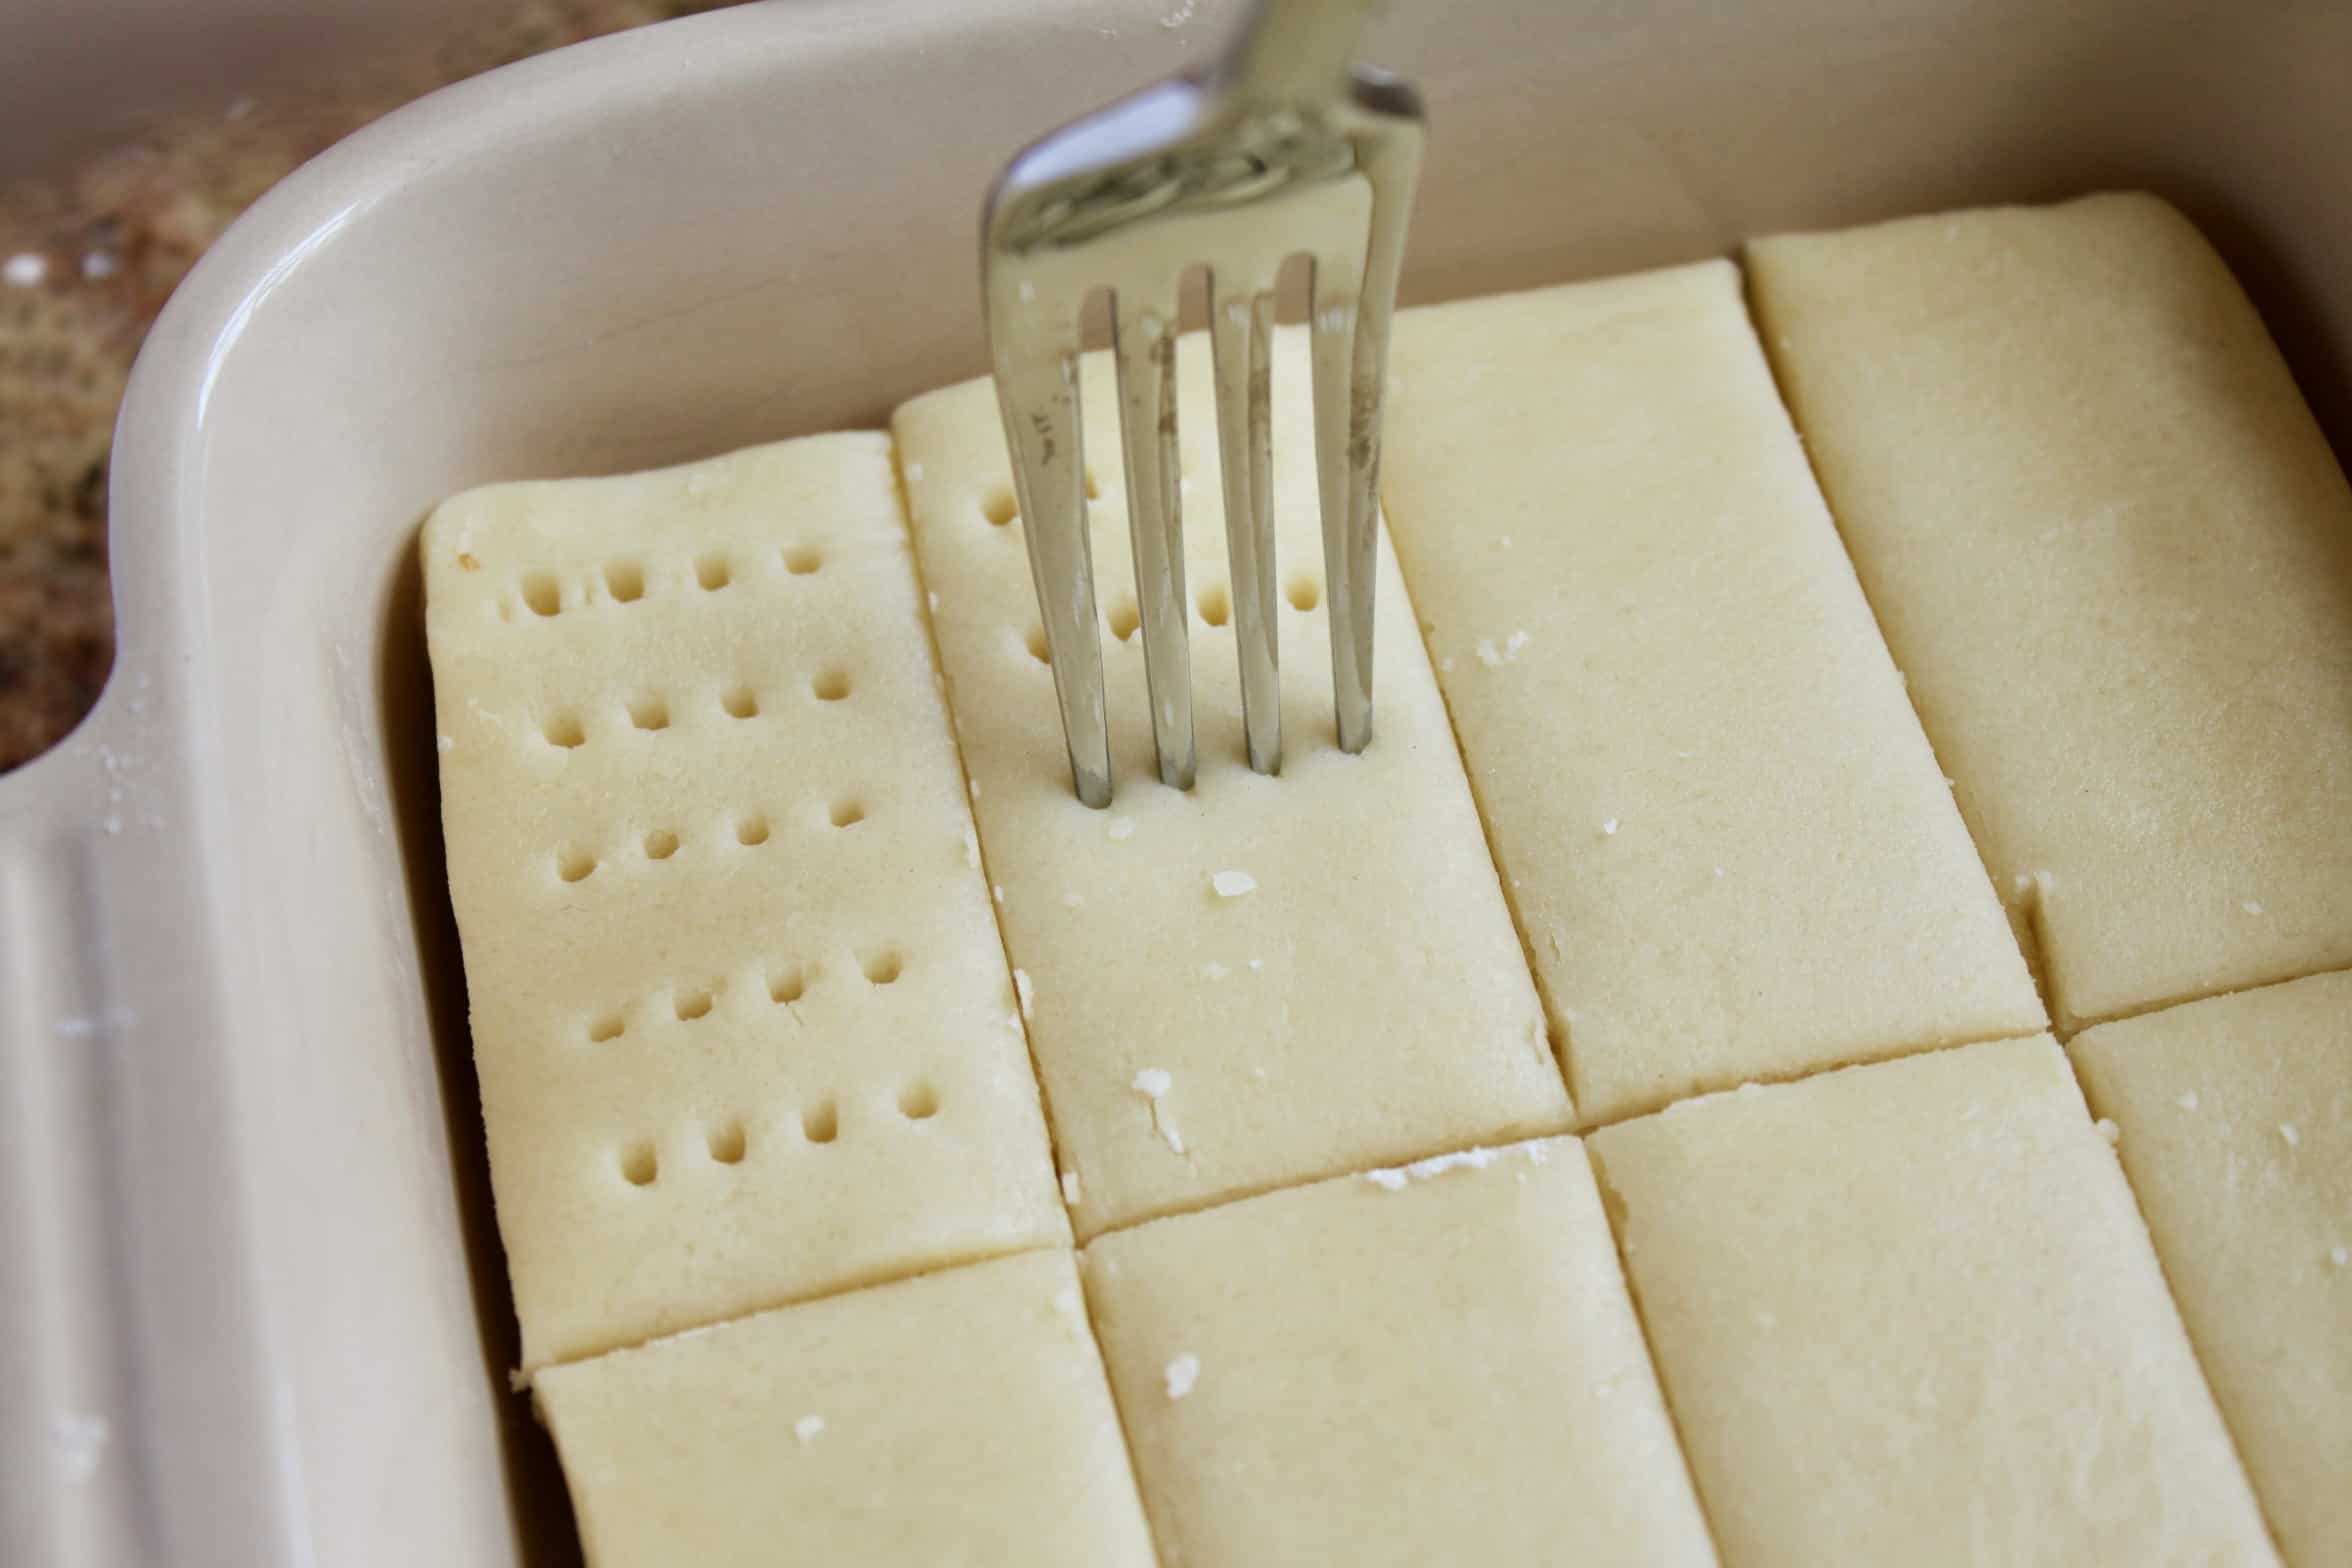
x: 138, y: 1411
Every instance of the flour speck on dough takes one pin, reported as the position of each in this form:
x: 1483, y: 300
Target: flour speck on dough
x: 1181, y: 1374
x: 807, y: 1428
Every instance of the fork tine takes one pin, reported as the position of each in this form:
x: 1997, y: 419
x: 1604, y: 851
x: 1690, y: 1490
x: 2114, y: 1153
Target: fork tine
x: 1040, y: 406
x: 1241, y: 328
x: 1144, y: 347
x: 1345, y: 410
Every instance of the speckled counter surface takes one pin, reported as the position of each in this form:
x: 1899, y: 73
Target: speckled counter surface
x: 88, y: 255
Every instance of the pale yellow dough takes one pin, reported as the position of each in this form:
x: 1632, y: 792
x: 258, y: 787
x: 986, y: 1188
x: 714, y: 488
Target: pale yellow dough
x: 1907, y: 1313
x: 1425, y: 1365
x: 819, y: 1078
x: 959, y: 1418
x: 2114, y: 553
x: 2236, y: 1117
x: 1365, y: 1000
x: 1730, y: 850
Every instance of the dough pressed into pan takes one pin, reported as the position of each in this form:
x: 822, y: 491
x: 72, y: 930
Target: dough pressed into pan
x: 2236, y: 1121
x: 1262, y: 980
x: 958, y: 1418
x: 2110, y: 547
x: 1730, y: 850
x: 1432, y: 1363
x: 740, y: 1012
x: 1908, y: 1313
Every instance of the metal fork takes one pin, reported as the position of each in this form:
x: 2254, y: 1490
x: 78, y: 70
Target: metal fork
x: 1276, y: 149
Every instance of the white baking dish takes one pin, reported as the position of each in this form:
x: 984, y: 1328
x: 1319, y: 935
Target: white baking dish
x: 254, y: 1312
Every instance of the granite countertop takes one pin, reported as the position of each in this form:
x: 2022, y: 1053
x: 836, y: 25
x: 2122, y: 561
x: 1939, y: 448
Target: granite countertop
x: 89, y: 253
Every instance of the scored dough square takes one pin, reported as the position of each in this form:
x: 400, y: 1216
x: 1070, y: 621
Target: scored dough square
x: 1366, y: 1001
x: 1729, y: 847
x: 1431, y: 1365
x: 2113, y: 552
x: 740, y: 1010
x: 1908, y: 1313
x: 957, y: 1418
x: 2236, y: 1117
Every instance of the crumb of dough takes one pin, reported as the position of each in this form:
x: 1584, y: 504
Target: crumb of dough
x: 1233, y: 884
x: 1181, y: 1374
x: 807, y: 1427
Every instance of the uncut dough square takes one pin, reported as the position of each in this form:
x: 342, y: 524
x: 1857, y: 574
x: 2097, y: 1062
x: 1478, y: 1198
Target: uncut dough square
x: 2237, y: 1136
x: 2113, y: 552
x: 740, y: 1011
x: 1425, y: 1366
x: 1908, y: 1313
x: 958, y: 1418
x: 1730, y: 850
x: 1366, y: 1000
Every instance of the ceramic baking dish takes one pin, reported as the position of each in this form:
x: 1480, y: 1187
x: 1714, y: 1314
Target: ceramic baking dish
x: 253, y: 1310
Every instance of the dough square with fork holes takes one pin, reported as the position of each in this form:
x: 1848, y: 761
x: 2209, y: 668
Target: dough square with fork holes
x: 1261, y: 980
x: 740, y: 1011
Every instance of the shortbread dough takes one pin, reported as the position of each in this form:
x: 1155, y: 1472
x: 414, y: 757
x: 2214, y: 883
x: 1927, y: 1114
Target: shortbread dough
x: 2111, y: 548
x: 2236, y: 1118
x: 1262, y: 980
x: 1427, y: 1364
x: 958, y: 1418
x: 1907, y: 1313
x: 1730, y: 850
x: 743, y: 1022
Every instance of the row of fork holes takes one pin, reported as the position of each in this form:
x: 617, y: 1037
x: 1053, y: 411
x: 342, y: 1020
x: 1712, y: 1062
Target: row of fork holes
x: 1002, y: 508
x: 883, y: 966
x: 624, y: 581
x: 728, y: 1143
x: 650, y: 711
x: 574, y: 864
x: 1215, y: 604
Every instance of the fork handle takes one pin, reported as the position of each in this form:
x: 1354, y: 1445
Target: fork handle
x: 1291, y: 51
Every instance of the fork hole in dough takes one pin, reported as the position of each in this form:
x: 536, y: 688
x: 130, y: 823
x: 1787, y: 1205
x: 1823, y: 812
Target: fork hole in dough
x: 803, y: 559
x: 741, y: 702
x: 727, y: 1143
x: 603, y: 1027
x: 638, y: 1165
x: 1035, y: 641
x: 542, y: 595
x: 847, y: 813
x: 751, y: 831
x: 649, y: 713
x: 830, y: 685
x: 1304, y: 593
x: 660, y: 844
x: 883, y: 967
x: 625, y: 581
x: 918, y: 1101
x: 1124, y: 619
x: 712, y: 572
x: 788, y: 985
x: 574, y: 864
x: 820, y: 1123
x: 1216, y: 605
x: 691, y: 1005
x: 999, y: 506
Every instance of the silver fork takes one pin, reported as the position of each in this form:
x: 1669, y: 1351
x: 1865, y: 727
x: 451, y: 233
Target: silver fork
x: 1276, y: 149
